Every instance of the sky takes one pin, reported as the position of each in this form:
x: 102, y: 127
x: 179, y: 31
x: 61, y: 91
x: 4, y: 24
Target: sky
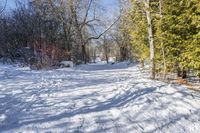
x: 109, y: 4
x: 110, y: 8
x: 9, y: 5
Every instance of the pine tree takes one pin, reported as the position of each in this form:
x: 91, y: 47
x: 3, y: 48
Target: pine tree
x: 141, y: 29
x: 174, y: 33
x: 191, y: 57
x: 136, y: 25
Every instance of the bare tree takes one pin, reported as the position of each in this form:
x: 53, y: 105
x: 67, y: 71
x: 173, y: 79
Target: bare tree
x: 87, y: 25
x: 69, y: 25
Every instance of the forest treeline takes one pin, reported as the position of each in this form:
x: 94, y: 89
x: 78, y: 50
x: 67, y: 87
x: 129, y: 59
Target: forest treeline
x: 166, y: 34
x: 45, y: 32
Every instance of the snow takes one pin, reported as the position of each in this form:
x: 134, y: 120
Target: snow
x: 92, y: 99
x: 67, y: 63
x: 111, y: 59
x: 98, y: 59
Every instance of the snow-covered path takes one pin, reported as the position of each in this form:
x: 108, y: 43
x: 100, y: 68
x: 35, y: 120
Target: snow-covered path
x: 94, y: 99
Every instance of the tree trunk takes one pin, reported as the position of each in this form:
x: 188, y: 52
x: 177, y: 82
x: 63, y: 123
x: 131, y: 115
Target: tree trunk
x: 151, y: 38
x: 199, y: 77
x: 106, y: 58
x: 84, y: 54
x: 184, y: 74
x: 178, y: 70
x: 142, y: 63
x: 163, y: 49
x: 124, y: 53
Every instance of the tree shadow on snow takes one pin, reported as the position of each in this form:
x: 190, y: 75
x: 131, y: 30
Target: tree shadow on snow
x: 16, y: 106
x: 21, y: 105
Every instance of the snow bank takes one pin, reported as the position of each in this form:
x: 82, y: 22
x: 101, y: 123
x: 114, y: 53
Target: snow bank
x: 67, y: 64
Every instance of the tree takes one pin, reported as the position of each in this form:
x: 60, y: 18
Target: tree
x: 172, y: 38
x: 190, y: 58
x: 140, y: 26
x: 147, y: 10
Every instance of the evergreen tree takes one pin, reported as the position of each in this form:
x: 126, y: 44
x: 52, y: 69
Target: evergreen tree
x: 191, y: 57
x: 136, y: 26
x: 178, y: 32
x: 175, y: 31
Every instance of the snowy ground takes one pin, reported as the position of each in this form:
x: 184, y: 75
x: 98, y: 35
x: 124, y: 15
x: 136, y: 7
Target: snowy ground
x: 94, y: 99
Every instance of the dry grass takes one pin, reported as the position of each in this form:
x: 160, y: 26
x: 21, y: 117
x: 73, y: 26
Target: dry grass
x: 189, y: 85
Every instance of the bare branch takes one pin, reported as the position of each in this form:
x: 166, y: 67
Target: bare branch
x: 4, y: 7
x: 87, y: 12
x: 97, y: 37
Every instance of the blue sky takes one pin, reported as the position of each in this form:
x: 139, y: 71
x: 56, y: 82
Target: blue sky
x: 10, y: 4
x: 108, y: 4
x: 110, y: 7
